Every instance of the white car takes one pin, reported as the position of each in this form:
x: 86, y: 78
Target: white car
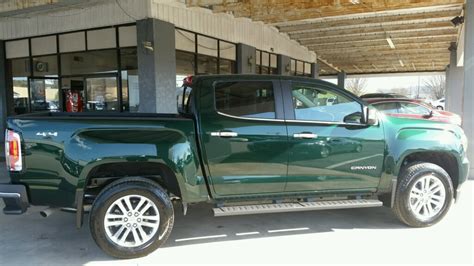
x: 438, y: 104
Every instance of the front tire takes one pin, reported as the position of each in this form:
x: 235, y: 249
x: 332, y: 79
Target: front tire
x: 424, y: 195
x: 131, y: 218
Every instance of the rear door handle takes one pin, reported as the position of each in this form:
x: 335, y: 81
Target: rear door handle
x: 225, y: 134
x: 305, y: 135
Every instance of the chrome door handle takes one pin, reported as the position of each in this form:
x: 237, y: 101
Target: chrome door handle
x: 224, y: 134
x: 305, y: 135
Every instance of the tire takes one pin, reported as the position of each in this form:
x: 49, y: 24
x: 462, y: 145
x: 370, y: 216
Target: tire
x: 147, y: 226
x: 413, y: 198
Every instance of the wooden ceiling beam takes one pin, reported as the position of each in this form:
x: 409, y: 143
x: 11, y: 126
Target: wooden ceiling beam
x: 377, y: 29
x: 439, y: 16
x: 381, y: 43
x: 384, y: 47
x: 377, y: 37
x: 272, y: 11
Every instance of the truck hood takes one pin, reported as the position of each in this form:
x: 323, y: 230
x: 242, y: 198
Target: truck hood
x: 398, y: 124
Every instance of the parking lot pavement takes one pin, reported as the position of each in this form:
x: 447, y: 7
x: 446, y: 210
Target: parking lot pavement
x: 340, y: 236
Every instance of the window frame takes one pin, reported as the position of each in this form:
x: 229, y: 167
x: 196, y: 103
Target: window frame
x: 290, y: 116
x: 277, y: 94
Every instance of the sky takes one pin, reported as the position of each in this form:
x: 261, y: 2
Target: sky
x: 391, y: 81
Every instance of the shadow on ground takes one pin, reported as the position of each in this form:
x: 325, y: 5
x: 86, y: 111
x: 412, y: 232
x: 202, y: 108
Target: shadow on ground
x: 56, y: 239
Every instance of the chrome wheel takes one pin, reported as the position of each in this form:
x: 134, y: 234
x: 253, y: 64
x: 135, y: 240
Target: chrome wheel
x: 427, y: 197
x: 131, y: 221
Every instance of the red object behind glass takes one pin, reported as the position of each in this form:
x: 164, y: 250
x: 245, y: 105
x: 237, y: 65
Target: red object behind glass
x: 74, y: 101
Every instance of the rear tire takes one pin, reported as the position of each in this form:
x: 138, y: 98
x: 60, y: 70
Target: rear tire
x: 131, y: 218
x: 424, y: 194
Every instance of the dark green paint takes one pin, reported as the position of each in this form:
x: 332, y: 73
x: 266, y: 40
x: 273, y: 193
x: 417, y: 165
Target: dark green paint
x: 263, y: 160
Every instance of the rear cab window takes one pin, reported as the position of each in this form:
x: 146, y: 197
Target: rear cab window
x: 246, y: 99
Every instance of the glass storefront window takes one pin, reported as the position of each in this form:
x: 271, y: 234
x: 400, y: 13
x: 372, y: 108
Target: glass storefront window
x: 101, y: 39
x: 299, y: 68
x: 72, y: 42
x: 43, y: 45
x: 307, y: 69
x: 15, y: 49
x: 102, y: 94
x: 128, y: 36
x: 89, y: 79
x: 273, y: 64
x: 258, y: 62
x: 185, y: 41
x: 20, y: 70
x: 45, y: 66
x: 207, y: 64
x: 265, y: 63
x: 227, y: 50
x: 129, y: 66
x: 226, y: 66
x: 72, y: 90
x: 293, y: 67
x: 20, y: 95
x: 91, y: 62
x: 184, y: 66
x: 207, y: 46
x: 44, y: 95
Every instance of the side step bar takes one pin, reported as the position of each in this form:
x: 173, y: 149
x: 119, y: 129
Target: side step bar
x: 297, y: 206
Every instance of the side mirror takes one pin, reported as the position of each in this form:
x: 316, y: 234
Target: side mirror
x: 371, y: 116
x: 428, y: 115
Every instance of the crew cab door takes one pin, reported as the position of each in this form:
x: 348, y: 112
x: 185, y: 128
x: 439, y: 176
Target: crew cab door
x: 243, y: 135
x: 329, y: 147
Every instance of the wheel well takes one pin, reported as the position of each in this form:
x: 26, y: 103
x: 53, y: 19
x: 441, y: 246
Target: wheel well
x: 102, y: 175
x: 442, y: 159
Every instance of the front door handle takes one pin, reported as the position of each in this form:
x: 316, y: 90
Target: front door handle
x: 224, y: 134
x: 305, y: 135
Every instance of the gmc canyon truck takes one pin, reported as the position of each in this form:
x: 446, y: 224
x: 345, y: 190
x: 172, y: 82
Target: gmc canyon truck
x: 249, y: 144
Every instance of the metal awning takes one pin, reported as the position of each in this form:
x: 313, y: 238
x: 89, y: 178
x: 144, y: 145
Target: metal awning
x: 360, y: 36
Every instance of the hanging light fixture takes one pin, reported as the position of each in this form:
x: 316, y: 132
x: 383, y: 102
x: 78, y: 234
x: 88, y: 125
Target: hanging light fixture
x: 390, y: 41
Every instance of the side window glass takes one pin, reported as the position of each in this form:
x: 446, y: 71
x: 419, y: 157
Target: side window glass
x: 388, y: 108
x: 317, y: 104
x: 246, y: 99
x: 411, y: 108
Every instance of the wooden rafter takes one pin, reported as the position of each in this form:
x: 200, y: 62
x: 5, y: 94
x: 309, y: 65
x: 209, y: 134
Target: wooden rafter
x: 352, y: 35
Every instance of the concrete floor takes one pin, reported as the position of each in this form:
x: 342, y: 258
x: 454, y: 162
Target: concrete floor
x: 340, y: 236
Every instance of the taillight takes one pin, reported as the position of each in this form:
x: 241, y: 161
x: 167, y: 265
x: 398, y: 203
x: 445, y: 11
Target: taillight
x: 13, y: 151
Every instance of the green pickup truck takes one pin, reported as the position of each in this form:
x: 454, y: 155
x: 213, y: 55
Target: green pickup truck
x: 248, y: 144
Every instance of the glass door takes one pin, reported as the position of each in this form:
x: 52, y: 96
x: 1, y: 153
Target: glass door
x: 102, y: 94
x: 44, y: 94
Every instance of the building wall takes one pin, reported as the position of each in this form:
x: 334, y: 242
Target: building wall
x: 109, y: 12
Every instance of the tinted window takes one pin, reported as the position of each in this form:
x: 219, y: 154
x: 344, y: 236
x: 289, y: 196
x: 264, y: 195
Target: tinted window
x: 389, y: 107
x: 412, y: 108
x: 316, y: 104
x: 246, y: 99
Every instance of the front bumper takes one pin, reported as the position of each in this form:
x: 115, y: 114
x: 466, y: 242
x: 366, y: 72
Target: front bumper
x: 15, y: 198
